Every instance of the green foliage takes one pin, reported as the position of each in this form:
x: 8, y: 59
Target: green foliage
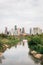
x: 3, y: 35
x: 35, y: 40
x: 11, y: 37
x: 1, y: 46
x: 7, y: 40
x: 36, y: 43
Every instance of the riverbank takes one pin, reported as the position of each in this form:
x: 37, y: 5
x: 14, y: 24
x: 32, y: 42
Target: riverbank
x: 36, y: 46
x: 35, y: 42
x: 18, y: 55
x: 7, y: 41
x: 36, y: 55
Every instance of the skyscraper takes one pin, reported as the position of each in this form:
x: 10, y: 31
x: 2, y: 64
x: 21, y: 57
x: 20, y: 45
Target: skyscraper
x: 23, y: 30
x: 37, y: 30
x: 6, y: 30
x: 15, y: 27
x: 30, y: 31
x: 15, y: 30
x: 19, y: 31
x: 12, y: 31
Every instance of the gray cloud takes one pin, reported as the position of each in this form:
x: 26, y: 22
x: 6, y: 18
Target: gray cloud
x: 27, y: 13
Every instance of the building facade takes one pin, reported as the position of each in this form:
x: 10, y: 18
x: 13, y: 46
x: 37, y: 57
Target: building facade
x: 37, y: 31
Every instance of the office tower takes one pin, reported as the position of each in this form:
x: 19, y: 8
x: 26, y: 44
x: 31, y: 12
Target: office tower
x: 37, y: 30
x: 30, y: 31
x: 15, y: 30
x: 23, y: 30
x: 6, y: 30
x: 15, y: 27
x: 19, y: 31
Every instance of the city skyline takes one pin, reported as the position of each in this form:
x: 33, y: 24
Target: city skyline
x: 21, y: 30
x: 23, y: 13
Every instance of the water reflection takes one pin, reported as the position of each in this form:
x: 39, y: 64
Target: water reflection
x: 18, y: 55
x: 1, y: 58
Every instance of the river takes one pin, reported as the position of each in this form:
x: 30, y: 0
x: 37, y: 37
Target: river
x: 18, y: 55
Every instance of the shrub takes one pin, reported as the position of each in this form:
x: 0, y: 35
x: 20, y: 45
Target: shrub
x: 3, y: 35
x: 36, y: 44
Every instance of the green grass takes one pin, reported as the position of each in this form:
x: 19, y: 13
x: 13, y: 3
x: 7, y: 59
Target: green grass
x: 8, y: 40
x: 35, y: 42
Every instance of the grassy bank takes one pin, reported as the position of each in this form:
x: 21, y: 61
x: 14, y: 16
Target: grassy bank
x: 36, y: 43
x: 7, y: 41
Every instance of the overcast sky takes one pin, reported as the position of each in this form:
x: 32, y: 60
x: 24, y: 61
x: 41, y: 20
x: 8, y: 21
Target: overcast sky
x: 23, y: 13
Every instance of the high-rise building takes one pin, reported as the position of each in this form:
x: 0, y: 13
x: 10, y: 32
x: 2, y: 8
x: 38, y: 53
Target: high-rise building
x: 19, y: 31
x: 23, y: 30
x: 6, y: 30
x: 15, y: 27
x: 12, y: 31
x: 37, y: 30
x: 15, y: 30
x: 30, y: 31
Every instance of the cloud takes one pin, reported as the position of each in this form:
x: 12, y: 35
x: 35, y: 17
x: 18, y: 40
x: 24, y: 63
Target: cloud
x: 27, y: 13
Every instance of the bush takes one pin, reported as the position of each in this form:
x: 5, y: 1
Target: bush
x: 36, y: 44
x: 1, y: 47
x: 3, y: 35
